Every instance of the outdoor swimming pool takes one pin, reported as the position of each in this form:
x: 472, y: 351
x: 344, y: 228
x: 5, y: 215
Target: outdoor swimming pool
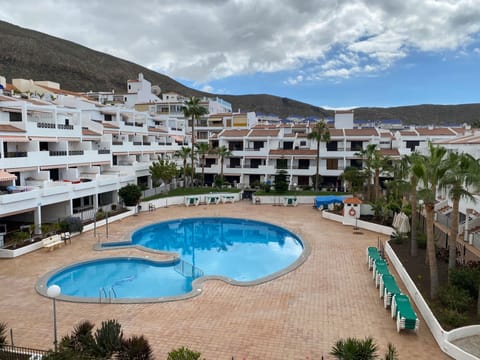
x: 238, y: 250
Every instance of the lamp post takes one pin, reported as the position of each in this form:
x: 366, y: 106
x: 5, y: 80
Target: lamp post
x: 54, y: 291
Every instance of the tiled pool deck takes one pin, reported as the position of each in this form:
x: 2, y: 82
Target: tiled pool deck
x: 297, y: 316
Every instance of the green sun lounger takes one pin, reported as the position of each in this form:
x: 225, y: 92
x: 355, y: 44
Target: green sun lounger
x: 388, y: 287
x: 372, y: 256
x: 403, y: 312
x: 380, y: 268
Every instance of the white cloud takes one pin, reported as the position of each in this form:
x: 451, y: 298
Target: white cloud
x: 207, y: 40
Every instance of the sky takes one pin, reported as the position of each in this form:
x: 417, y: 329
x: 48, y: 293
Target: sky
x: 334, y: 54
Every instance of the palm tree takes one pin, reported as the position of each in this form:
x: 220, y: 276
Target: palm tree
x: 463, y: 173
x: 184, y: 154
x: 430, y: 171
x: 414, y: 161
x: 203, y: 149
x: 319, y: 133
x: 353, y: 349
x: 192, y: 108
x: 223, y: 152
x: 375, y: 163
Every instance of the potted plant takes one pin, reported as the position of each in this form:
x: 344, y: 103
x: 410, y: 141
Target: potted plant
x: 19, y: 237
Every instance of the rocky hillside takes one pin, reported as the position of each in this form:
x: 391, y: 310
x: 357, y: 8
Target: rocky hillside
x: 33, y: 55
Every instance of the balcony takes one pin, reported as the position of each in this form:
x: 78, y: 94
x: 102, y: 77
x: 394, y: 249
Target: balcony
x: 75, y: 152
x: 103, y: 151
x: 45, y: 125
x: 65, y: 127
x: 15, y: 154
x: 117, y: 143
x: 137, y: 143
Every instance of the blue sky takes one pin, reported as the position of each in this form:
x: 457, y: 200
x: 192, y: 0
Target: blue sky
x: 337, y: 54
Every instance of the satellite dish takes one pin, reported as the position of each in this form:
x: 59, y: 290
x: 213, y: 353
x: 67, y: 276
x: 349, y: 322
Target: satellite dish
x: 156, y: 90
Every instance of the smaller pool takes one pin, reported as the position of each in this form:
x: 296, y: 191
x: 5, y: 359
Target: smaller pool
x: 125, y: 278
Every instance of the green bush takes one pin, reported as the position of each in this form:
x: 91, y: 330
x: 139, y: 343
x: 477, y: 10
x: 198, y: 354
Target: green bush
x: 130, y: 194
x: 71, y: 224
x: 454, y: 298
x: 422, y: 240
x: 183, y: 353
x: 451, y: 317
x: 467, y: 278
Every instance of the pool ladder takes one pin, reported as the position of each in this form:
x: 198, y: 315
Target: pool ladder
x: 111, y: 294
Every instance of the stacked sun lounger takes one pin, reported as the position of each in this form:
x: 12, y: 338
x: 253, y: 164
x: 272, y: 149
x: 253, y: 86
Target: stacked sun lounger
x: 402, y: 311
x: 388, y: 289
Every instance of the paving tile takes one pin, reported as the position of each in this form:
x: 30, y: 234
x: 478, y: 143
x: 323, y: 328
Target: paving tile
x: 297, y: 316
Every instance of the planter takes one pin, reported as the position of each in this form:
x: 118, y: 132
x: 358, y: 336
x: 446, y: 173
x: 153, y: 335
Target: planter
x: 11, y: 253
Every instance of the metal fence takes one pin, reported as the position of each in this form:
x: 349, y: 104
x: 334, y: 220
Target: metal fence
x: 10, y: 352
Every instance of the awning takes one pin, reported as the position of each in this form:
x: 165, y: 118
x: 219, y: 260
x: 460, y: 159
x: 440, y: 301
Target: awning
x: 30, y: 168
x: 6, y: 176
x: 14, y: 139
x: 68, y: 139
x: 49, y: 167
x: 328, y: 199
x: 44, y: 139
x: 177, y: 138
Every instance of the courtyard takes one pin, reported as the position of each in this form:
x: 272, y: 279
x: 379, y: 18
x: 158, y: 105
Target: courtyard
x: 297, y: 316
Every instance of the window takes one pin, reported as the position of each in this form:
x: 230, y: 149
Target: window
x: 303, y: 164
x: 412, y: 144
x: 332, y: 164
x: 303, y: 143
x: 332, y: 146
x: 356, y: 145
x: 288, y: 145
x: 15, y: 116
x: 282, y: 163
x: 356, y: 163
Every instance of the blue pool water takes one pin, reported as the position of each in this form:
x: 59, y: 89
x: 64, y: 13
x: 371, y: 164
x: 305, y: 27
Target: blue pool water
x: 241, y: 250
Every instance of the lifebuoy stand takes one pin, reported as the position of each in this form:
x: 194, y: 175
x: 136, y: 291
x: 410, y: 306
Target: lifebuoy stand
x: 351, y: 210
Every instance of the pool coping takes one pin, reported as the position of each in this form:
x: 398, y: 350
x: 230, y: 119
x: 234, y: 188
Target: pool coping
x: 41, y: 284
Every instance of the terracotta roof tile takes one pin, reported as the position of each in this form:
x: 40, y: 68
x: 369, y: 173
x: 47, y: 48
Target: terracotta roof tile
x: 352, y: 200
x: 234, y: 133
x: 361, y: 132
x: 335, y: 132
x: 10, y: 128
x: 434, y: 131
x: 263, y: 133
x: 408, y: 133
x: 109, y: 126
x: 90, y: 132
x: 60, y: 91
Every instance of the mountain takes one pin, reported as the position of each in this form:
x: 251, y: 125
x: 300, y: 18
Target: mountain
x: 30, y: 54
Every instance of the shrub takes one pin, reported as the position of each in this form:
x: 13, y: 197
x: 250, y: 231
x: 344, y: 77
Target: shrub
x: 130, y: 194
x: 466, y: 278
x: 454, y: 298
x: 183, y: 353
x: 451, y: 317
x: 421, y: 240
x: 71, y: 224
x: 136, y: 347
x: 3, y: 334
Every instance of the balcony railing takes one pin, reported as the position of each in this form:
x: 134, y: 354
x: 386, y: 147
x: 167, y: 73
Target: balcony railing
x: 75, y: 152
x: 44, y: 125
x: 104, y: 151
x: 58, y: 153
x: 117, y: 142
x: 252, y: 149
x: 15, y: 154
x: 65, y: 127
x: 146, y: 143
x: 137, y: 143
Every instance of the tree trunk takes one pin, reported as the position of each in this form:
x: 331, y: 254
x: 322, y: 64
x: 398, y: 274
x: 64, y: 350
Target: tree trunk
x: 203, y: 171
x: 452, y: 240
x: 221, y: 169
x: 185, y: 173
x: 432, y: 259
x: 478, y: 303
x: 193, y: 148
x: 413, y: 238
x: 376, y: 184
x: 318, y: 166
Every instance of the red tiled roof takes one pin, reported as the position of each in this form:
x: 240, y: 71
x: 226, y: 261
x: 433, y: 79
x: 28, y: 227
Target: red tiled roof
x: 10, y: 128
x: 90, y: 132
x: 335, y: 132
x: 109, y: 126
x: 408, y: 133
x: 60, y: 91
x: 234, y: 133
x: 434, y: 131
x: 361, y: 132
x: 352, y: 200
x: 263, y: 133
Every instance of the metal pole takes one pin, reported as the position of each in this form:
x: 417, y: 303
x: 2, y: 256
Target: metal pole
x: 95, y: 223
x: 106, y: 223
x: 54, y: 325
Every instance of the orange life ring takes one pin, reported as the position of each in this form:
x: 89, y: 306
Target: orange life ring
x: 352, y: 212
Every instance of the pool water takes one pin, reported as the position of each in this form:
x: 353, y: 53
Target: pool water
x: 237, y: 249
x: 122, y: 278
